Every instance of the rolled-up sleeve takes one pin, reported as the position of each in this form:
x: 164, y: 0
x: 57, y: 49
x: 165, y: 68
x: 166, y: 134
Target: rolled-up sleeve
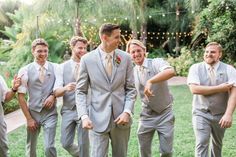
x: 231, y: 72
x: 193, y: 77
x: 4, y: 87
x: 59, y: 77
x: 24, y: 80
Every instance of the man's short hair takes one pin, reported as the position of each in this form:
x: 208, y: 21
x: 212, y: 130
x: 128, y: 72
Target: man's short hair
x: 107, y: 28
x: 215, y: 44
x: 38, y: 41
x: 76, y: 39
x: 136, y: 42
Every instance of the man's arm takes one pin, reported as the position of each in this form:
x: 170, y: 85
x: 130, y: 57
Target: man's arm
x: 226, y: 120
x: 208, y: 90
x: 162, y: 76
x: 81, y: 96
x: 31, y: 123
x: 159, y: 77
x: 130, y: 95
x: 60, y: 91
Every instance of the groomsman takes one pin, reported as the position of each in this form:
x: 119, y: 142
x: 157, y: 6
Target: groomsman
x: 40, y: 111
x: 151, y: 77
x: 108, y: 72
x: 65, y: 86
x: 5, y: 96
x: 213, y: 84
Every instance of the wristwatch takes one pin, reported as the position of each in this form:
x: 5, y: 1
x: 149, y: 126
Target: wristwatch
x: 13, y: 90
x: 52, y: 94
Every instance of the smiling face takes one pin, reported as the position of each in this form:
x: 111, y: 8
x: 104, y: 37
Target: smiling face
x: 212, y: 54
x: 137, y: 53
x: 40, y: 53
x: 79, y: 50
x: 113, y: 40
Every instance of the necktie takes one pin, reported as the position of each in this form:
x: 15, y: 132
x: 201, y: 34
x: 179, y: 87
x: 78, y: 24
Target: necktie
x: 142, y: 74
x: 212, y: 75
x: 108, y: 66
x: 76, y: 72
x: 41, y: 74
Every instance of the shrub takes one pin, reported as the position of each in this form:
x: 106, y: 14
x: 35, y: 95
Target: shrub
x: 11, y: 106
x: 183, y: 62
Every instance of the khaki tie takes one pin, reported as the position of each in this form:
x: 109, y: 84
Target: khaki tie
x: 212, y: 75
x: 108, y: 66
x: 41, y: 74
x: 76, y: 72
x: 142, y: 74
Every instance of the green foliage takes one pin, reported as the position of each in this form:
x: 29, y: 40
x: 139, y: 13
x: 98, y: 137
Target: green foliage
x: 183, y: 62
x: 154, y: 53
x: 11, y: 106
x: 218, y: 21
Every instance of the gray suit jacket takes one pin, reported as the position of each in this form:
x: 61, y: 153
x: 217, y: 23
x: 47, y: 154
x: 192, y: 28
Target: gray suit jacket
x: 109, y: 98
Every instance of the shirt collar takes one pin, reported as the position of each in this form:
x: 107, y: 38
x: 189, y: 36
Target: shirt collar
x: 215, y: 66
x: 73, y: 62
x: 145, y: 64
x: 103, y: 53
x: 38, y: 66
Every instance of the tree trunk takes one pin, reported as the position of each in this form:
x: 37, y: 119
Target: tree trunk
x: 177, y: 37
x: 143, y: 32
x: 78, y: 30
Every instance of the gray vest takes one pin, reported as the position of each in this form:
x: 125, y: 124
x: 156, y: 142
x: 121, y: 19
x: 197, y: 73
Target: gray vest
x: 215, y: 103
x: 162, y: 99
x: 69, y: 97
x: 39, y: 92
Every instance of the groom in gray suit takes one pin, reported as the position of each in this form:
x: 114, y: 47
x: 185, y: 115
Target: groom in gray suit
x: 108, y: 72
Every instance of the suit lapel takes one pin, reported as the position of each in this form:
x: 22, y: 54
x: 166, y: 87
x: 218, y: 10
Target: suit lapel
x: 100, y: 65
x: 115, y: 65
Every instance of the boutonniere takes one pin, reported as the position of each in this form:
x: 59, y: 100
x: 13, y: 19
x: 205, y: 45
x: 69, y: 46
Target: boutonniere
x: 118, y: 60
x: 221, y: 75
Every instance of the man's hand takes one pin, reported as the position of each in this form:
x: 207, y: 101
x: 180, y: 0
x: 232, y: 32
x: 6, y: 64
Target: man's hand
x: 16, y: 82
x: 122, y: 119
x: 225, y: 87
x: 70, y: 87
x: 49, y: 102
x: 87, y: 123
x: 147, y: 90
x: 226, y: 121
x: 32, y: 125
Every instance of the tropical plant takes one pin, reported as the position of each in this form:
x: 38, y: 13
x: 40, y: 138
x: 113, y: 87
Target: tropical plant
x: 218, y: 22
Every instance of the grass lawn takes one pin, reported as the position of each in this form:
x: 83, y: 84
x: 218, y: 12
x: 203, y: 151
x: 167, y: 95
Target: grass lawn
x: 183, y: 142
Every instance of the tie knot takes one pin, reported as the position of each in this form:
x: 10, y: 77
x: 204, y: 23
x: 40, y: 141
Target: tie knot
x: 41, y: 68
x: 141, y: 68
x: 77, y: 66
x: 108, y: 57
x: 211, y: 68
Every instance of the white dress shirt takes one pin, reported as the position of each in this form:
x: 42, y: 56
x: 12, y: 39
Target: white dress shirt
x: 193, y: 77
x: 3, y: 88
x: 24, y: 73
x: 158, y: 64
x: 59, y: 73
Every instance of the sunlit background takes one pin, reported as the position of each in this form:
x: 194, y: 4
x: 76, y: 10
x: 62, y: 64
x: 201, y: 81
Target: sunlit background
x: 23, y: 1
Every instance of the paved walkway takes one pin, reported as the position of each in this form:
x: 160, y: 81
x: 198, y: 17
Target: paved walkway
x: 17, y: 119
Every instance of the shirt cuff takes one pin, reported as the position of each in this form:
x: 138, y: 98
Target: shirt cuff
x: 84, y: 117
x: 22, y: 90
x: 128, y: 111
